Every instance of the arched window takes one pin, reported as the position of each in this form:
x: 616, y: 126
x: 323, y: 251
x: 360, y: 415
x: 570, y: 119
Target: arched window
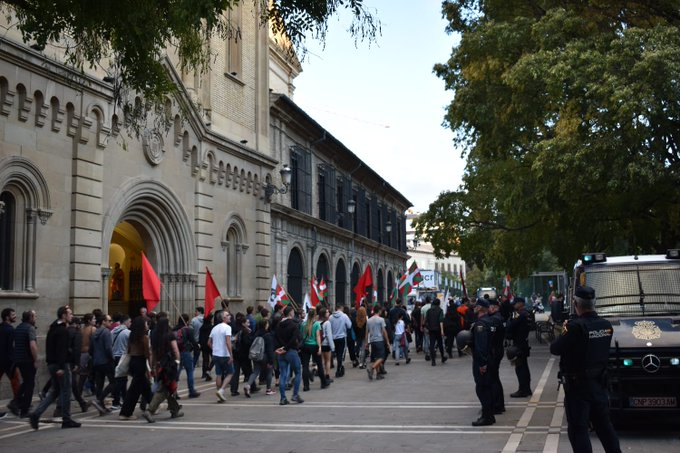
x: 296, y: 278
x: 7, y: 218
x: 233, y: 248
x: 24, y: 199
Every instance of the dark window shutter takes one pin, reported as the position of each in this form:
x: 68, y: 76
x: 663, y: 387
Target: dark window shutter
x: 383, y: 227
x: 321, y: 194
x: 307, y: 183
x: 402, y: 233
x: 295, y: 180
x: 331, y: 208
x: 360, y: 213
x: 375, y: 220
x: 348, y: 193
x: 394, y: 240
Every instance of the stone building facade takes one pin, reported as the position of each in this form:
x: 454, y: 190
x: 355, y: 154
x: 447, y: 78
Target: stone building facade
x: 81, y: 198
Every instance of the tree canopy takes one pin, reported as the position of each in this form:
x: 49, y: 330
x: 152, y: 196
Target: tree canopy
x: 568, y: 113
x: 135, y: 33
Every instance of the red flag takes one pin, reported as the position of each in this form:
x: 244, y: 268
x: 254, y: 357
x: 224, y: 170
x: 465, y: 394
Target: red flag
x: 314, y: 293
x: 211, y: 292
x: 360, y: 290
x: 462, y: 284
x: 281, y: 295
x: 151, y: 285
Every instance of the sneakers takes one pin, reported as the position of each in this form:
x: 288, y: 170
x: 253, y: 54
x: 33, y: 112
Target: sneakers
x: 115, y: 407
x: 3, y: 415
x: 194, y: 395
x: 220, y: 395
x: 147, y: 416
x: 283, y: 402
x: 127, y: 417
x: 521, y: 394
x: 13, y: 408
x: 444, y: 359
x: 33, y: 419
x: 269, y: 392
x: 297, y: 399
x: 246, y: 391
x: 177, y: 414
x: 84, y: 406
x: 369, y: 371
x: 379, y: 377
x: 70, y: 424
x: 207, y: 378
x: 408, y: 360
x: 235, y: 393
x: 99, y: 406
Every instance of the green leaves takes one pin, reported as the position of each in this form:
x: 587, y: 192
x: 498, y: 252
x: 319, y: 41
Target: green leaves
x: 568, y: 114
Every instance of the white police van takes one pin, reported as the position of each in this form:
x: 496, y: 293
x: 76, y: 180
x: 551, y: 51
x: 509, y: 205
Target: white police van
x: 640, y: 295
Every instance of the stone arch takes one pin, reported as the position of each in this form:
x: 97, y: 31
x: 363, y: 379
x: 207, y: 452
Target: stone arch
x: 26, y: 177
x: 242, y: 180
x: 212, y: 166
x: 156, y: 211
x: 295, y: 283
x: 220, y: 173
x: 234, y: 180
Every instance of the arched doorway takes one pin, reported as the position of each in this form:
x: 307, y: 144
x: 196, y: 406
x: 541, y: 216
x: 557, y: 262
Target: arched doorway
x: 340, y: 283
x: 146, y: 216
x: 322, y: 270
x: 125, y: 280
x: 390, y: 287
x: 353, y: 280
x: 296, y: 276
x: 381, y: 286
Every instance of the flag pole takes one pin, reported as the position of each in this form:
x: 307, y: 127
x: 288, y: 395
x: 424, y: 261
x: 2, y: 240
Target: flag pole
x: 292, y: 301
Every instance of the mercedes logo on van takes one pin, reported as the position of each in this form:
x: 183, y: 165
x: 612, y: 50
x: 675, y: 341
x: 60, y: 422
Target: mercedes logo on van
x: 651, y: 363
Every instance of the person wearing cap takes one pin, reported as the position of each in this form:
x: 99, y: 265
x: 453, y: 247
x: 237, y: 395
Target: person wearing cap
x: 483, y: 362
x: 583, y: 348
x: 497, y: 340
x: 518, y: 332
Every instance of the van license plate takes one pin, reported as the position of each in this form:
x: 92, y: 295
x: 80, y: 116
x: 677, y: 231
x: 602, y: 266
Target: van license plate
x: 654, y: 401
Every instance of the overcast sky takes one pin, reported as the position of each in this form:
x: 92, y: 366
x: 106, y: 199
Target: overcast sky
x: 383, y: 102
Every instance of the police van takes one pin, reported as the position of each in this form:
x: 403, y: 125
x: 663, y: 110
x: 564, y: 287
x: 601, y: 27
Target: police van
x: 640, y: 296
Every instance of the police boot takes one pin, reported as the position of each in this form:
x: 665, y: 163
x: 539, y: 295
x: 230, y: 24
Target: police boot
x: 484, y: 421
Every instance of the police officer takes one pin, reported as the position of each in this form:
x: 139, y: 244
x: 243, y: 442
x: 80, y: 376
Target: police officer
x: 584, y: 350
x: 497, y: 339
x: 483, y: 362
x: 518, y: 332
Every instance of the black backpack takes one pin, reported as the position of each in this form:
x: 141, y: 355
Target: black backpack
x: 433, y: 317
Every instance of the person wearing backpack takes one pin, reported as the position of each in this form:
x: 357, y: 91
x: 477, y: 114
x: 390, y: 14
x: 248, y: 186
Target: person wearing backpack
x: 262, y: 355
x: 186, y: 343
x: 243, y: 338
x: 311, y: 348
x: 434, y: 321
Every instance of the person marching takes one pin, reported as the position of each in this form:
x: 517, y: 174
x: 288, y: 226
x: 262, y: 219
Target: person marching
x: 583, y: 348
x: 497, y: 340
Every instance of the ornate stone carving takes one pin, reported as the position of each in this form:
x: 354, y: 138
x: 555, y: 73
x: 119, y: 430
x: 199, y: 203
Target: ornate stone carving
x: 152, y: 144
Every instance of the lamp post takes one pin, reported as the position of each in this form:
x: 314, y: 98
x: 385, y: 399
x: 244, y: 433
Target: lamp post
x: 270, y: 189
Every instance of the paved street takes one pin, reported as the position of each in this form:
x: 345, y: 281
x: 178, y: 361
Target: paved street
x: 416, y: 408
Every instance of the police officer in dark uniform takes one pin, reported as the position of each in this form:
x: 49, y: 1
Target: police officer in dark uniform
x: 483, y: 363
x: 497, y: 339
x: 584, y: 350
x: 518, y: 332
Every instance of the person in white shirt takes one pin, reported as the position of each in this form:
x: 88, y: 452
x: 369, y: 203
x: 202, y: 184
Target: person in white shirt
x: 220, y: 343
x: 400, y: 345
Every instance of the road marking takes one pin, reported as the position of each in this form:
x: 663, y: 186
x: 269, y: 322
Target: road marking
x: 552, y: 440
x: 515, y: 439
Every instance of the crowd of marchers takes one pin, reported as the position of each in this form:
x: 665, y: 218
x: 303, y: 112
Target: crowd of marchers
x: 114, y: 363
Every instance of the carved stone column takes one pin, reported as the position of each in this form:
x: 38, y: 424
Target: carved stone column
x: 29, y: 257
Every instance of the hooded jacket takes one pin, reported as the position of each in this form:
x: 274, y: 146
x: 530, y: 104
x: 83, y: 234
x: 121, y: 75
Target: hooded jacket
x: 340, y: 322
x: 101, y: 347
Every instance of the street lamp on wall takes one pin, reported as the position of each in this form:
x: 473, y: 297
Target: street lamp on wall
x: 270, y: 189
x: 388, y: 226
x: 351, y: 207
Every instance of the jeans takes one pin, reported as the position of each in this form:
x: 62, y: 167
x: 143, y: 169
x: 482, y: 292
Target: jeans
x: 61, y: 388
x: 120, y: 385
x: 436, y: 342
x: 187, y: 362
x: 399, y: 351
x: 312, y: 351
x: 140, y: 386
x: 101, y: 373
x: 339, y: 354
x: 289, y: 360
x: 260, y: 367
x: 25, y: 394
